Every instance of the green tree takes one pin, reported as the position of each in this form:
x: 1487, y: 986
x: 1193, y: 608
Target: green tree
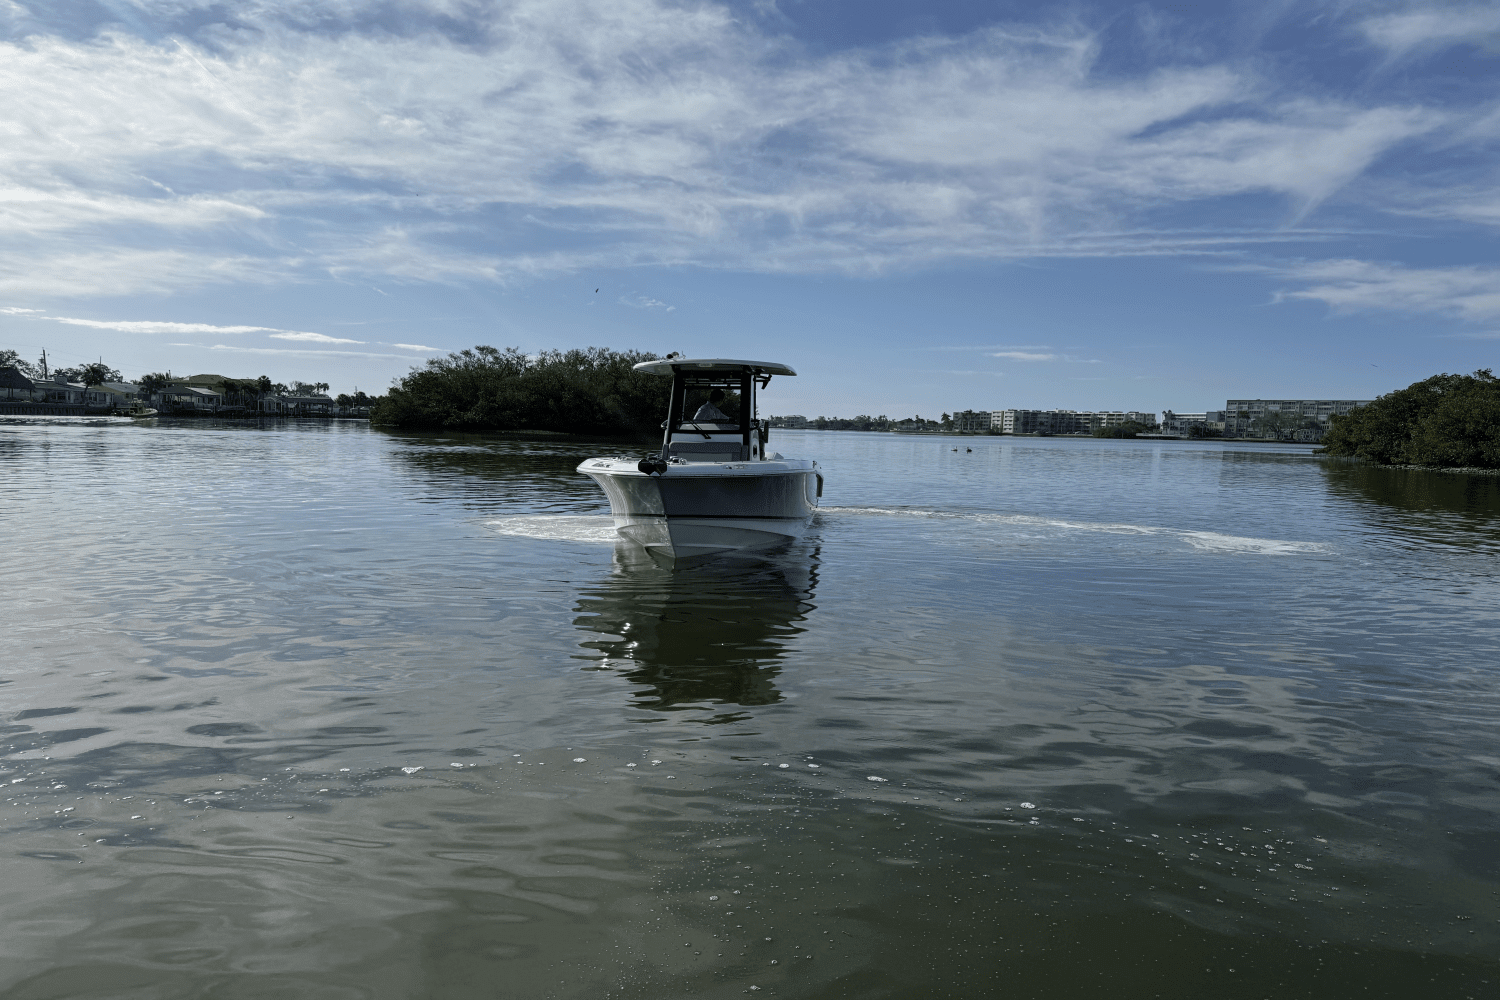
x: 1127, y: 429
x: 1275, y: 424
x: 96, y: 374
x: 97, y: 370
x: 152, y: 384
x: 588, y: 391
x: 1447, y: 420
x: 10, y: 359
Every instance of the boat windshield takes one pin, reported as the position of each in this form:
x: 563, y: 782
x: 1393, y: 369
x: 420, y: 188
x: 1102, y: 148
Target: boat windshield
x: 712, y: 412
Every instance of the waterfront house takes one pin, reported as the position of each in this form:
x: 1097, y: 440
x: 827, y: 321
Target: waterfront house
x: 59, y: 390
x: 308, y: 405
x: 207, y: 380
x: 187, y: 397
x: 115, y: 395
x: 17, y: 388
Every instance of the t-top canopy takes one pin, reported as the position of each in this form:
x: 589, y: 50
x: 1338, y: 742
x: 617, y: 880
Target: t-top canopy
x: 667, y: 367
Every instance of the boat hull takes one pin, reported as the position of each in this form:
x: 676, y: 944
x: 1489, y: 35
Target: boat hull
x: 695, y: 510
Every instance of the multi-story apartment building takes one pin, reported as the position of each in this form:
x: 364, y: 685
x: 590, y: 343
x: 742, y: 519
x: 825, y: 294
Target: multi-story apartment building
x: 972, y: 421
x: 1064, y: 421
x: 1182, y: 424
x: 1304, y: 419
x: 1022, y: 421
x: 1114, y: 418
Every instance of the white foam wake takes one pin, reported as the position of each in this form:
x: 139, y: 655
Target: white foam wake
x: 1207, y: 541
x: 1211, y: 541
x: 592, y: 528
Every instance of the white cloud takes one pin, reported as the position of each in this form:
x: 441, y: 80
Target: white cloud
x: 418, y: 347
x: 18, y: 311
x: 1024, y: 356
x: 1470, y: 292
x: 155, y: 326
x: 1432, y: 27
x: 317, y: 141
x: 309, y: 352
x: 645, y: 302
x: 56, y: 267
x: 185, y: 329
x: 317, y: 338
x: 56, y: 206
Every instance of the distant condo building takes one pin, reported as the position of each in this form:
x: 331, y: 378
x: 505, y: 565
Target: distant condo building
x: 972, y: 421
x: 1064, y: 421
x: 1182, y: 424
x: 1297, y: 419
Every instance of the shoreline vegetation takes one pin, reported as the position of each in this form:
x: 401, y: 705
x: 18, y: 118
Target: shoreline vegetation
x: 1448, y: 422
x: 591, y: 391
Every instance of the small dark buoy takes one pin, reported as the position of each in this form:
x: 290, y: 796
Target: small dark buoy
x: 968, y: 449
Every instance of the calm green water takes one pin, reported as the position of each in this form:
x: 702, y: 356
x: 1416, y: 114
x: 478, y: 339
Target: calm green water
x: 1148, y: 719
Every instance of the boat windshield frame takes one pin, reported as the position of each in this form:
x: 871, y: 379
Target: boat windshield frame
x: 738, y: 379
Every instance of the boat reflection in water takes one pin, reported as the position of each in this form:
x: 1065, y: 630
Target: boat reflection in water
x: 699, y: 637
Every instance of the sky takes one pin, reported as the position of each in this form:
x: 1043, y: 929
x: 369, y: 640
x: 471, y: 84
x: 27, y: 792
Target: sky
x: 921, y: 206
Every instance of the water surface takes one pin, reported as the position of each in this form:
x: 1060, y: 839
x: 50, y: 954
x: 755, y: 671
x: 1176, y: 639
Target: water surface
x: 324, y: 711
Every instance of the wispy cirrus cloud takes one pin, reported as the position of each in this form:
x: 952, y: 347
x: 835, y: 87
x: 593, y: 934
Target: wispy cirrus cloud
x: 188, y: 329
x: 1025, y: 355
x: 349, y: 143
x: 173, y: 327
x: 1433, y: 26
x: 316, y: 338
x: 1468, y: 292
x: 645, y: 302
x: 990, y: 347
x: 294, y: 352
x: 158, y: 326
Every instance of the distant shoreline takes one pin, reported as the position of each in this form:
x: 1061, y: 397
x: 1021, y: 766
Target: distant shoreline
x: 1049, y: 437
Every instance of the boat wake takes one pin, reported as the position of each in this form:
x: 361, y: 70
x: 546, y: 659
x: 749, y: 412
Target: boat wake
x: 1205, y: 541
x: 589, y: 528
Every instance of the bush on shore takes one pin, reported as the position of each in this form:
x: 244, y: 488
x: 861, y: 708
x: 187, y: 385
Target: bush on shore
x: 1128, y: 429
x: 1447, y: 420
x: 591, y: 391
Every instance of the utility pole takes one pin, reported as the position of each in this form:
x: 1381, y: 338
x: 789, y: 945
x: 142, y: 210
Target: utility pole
x: 45, y: 376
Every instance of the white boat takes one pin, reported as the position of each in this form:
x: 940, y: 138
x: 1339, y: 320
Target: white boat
x: 714, y: 487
